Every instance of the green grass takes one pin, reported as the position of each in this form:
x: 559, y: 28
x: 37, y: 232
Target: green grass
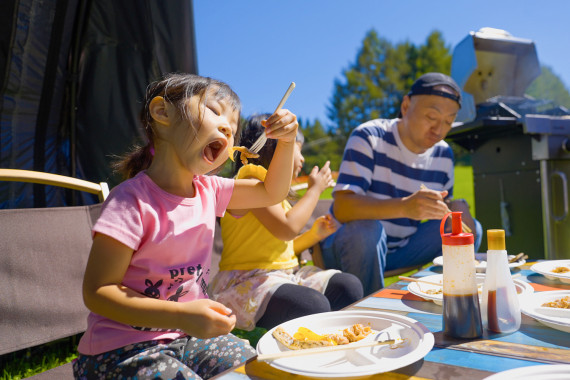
x: 26, y: 363
x: 463, y: 187
x: 327, y: 194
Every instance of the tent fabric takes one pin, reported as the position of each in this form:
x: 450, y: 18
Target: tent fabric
x: 73, y: 74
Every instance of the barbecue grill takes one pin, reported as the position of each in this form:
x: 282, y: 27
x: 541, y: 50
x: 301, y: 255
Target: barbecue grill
x: 520, y: 149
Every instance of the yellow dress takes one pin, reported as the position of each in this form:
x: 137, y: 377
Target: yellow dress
x: 247, y: 243
x: 255, y: 263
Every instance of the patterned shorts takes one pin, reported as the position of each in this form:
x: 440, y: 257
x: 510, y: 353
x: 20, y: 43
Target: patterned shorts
x: 183, y: 358
x: 247, y: 292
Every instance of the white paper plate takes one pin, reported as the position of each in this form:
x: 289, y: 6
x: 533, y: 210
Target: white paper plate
x: 417, y: 342
x: 545, y: 268
x: 531, y: 306
x: 481, y: 266
x: 535, y: 372
x: 421, y: 289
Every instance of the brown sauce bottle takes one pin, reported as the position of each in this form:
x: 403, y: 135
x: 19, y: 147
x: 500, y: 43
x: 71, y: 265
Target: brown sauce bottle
x: 462, y: 316
x: 461, y: 310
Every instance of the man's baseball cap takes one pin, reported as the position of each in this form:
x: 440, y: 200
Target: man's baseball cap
x: 425, y: 85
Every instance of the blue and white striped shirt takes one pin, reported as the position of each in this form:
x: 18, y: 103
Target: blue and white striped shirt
x: 376, y: 163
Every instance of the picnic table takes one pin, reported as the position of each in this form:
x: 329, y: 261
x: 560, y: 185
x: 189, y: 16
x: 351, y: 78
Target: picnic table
x: 533, y: 344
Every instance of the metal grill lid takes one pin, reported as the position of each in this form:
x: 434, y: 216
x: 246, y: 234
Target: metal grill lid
x: 489, y: 63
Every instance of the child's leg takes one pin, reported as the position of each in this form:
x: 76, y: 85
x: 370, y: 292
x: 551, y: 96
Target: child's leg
x: 209, y: 357
x: 343, y: 289
x: 292, y: 301
x: 146, y: 360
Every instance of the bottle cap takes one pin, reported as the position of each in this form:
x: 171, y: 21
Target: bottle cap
x: 457, y: 236
x: 496, y: 240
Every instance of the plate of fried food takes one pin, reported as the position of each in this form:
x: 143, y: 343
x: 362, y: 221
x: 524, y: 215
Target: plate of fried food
x: 431, y: 287
x: 553, y: 270
x: 348, y: 343
x: 515, y: 261
x: 551, y: 308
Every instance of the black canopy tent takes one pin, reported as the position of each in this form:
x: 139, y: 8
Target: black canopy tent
x: 72, y: 77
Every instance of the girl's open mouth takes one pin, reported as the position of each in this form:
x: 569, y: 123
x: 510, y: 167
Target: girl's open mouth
x: 213, y: 150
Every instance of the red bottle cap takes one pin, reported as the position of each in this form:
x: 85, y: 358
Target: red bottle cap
x: 457, y: 236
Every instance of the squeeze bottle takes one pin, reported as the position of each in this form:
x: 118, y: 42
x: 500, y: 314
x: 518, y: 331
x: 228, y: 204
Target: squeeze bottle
x: 461, y: 311
x: 500, y: 308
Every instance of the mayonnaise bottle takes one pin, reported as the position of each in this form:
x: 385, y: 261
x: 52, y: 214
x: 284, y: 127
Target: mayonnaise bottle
x: 500, y: 303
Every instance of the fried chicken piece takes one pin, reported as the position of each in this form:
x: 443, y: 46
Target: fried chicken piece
x: 244, y: 153
x: 338, y: 338
x: 356, y: 332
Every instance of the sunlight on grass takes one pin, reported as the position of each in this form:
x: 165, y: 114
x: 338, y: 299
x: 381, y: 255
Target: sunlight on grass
x: 463, y: 187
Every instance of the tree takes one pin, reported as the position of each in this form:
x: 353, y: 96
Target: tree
x: 375, y: 84
x: 320, y: 146
x: 549, y: 86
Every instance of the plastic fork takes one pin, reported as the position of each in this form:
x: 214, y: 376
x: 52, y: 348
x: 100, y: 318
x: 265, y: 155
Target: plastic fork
x: 260, y: 142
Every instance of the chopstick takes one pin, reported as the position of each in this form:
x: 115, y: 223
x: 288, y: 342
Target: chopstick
x: 320, y: 350
x: 411, y: 279
x: 465, y: 226
x: 518, y: 257
x: 284, y: 98
x: 260, y: 142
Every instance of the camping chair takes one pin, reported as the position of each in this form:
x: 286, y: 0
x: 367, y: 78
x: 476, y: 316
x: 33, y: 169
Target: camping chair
x: 18, y: 175
x: 44, y: 252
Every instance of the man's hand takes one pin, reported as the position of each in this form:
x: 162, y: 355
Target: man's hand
x: 426, y: 204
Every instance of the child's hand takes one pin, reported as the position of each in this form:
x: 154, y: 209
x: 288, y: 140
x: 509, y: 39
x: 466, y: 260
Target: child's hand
x: 321, y: 178
x: 324, y: 226
x: 206, y: 319
x: 282, y: 125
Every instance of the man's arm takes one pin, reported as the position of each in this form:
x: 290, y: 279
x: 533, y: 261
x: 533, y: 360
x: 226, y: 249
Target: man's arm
x: 423, y: 204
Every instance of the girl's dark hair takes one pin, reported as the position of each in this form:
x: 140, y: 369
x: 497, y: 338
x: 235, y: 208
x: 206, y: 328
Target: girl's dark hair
x: 251, y: 130
x: 176, y: 89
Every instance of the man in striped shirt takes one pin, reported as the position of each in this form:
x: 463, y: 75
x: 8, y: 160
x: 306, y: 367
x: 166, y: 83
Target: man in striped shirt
x: 396, y: 173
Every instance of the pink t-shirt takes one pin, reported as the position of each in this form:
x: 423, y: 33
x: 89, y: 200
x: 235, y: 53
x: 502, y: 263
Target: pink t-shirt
x: 172, y: 238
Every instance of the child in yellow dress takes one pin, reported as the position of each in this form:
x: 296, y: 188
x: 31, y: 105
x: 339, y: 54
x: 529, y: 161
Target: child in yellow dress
x: 260, y: 278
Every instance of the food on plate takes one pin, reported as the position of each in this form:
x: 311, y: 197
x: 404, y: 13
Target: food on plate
x: 434, y: 291
x: 561, y: 270
x: 562, y: 303
x: 305, y: 338
x: 356, y: 332
x: 244, y: 153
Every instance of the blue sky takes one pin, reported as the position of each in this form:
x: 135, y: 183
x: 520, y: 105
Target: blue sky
x: 259, y: 47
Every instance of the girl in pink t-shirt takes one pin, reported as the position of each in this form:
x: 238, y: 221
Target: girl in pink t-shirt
x: 147, y: 274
